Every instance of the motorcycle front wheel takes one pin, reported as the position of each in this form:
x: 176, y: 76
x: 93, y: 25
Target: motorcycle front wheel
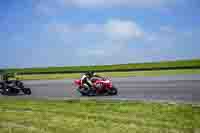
x: 113, y: 91
x: 27, y: 91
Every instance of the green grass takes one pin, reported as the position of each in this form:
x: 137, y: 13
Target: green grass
x: 164, y: 64
x: 153, y: 73
x: 42, y: 116
x: 48, y: 76
x: 110, y: 74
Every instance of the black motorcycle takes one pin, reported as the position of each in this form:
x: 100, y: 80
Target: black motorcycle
x: 13, y: 87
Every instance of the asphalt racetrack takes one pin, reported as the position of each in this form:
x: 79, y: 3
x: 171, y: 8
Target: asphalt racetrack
x: 166, y: 88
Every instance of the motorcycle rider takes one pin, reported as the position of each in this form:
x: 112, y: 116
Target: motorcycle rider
x: 5, y: 79
x: 86, y: 79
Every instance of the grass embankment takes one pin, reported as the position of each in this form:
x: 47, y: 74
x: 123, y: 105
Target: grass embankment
x: 26, y: 116
x: 111, y: 74
x: 72, y: 69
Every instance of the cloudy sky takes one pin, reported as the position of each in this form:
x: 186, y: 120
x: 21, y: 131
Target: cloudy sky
x: 40, y: 33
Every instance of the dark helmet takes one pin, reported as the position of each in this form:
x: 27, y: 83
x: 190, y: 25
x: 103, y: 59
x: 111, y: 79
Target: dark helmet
x: 90, y: 73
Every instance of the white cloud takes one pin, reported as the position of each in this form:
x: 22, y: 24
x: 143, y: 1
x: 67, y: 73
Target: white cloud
x: 113, y: 29
x: 99, y: 40
x: 122, y: 30
x: 111, y: 41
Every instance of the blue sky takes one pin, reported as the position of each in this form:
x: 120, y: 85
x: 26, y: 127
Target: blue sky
x: 40, y: 33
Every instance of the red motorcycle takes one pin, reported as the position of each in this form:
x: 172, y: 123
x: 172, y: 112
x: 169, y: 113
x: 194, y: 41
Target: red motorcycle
x: 102, y: 87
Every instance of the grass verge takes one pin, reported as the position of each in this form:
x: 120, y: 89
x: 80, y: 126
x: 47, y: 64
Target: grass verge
x: 39, y: 116
x: 111, y: 74
x: 135, y: 66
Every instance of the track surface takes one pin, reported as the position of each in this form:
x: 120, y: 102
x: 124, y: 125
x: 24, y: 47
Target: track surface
x: 171, y: 88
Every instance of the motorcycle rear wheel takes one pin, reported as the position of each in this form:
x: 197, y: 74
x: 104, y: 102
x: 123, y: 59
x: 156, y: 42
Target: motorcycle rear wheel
x: 88, y: 92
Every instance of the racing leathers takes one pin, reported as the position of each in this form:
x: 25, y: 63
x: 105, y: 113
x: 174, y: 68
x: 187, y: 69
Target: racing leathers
x: 86, y: 80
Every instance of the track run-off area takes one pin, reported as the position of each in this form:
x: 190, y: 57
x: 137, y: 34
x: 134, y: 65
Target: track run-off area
x: 182, y: 88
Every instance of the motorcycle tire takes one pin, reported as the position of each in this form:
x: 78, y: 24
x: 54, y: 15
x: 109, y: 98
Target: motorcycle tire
x: 113, y: 91
x: 3, y: 89
x: 27, y: 91
x: 87, y: 93
x: 1, y: 85
x: 4, y: 92
x: 92, y: 92
x: 82, y: 93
